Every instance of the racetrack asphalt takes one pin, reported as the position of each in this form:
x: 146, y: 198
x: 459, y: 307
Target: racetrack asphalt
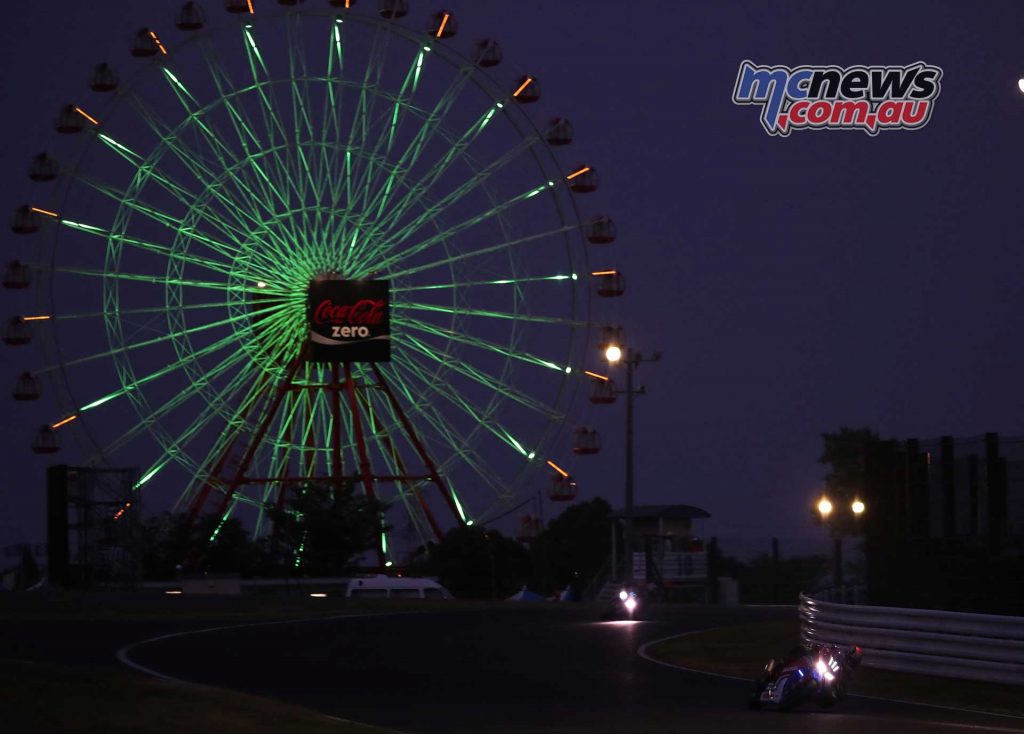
x: 528, y: 668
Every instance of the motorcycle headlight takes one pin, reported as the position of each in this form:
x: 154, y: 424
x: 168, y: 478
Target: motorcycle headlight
x: 631, y: 604
x: 623, y: 595
x: 823, y: 670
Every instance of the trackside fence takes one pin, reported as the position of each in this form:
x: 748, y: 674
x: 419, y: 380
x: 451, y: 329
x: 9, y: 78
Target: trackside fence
x: 983, y: 647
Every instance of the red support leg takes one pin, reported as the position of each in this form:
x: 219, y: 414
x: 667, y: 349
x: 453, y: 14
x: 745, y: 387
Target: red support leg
x: 261, y: 432
x: 435, y: 477
x: 336, y: 467
x: 213, y: 477
x: 419, y: 495
x: 364, y: 457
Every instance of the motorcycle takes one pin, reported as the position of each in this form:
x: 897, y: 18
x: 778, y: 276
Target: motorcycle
x: 818, y: 674
x: 626, y: 605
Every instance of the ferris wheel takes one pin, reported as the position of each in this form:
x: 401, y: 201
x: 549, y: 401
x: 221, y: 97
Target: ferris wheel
x: 197, y: 192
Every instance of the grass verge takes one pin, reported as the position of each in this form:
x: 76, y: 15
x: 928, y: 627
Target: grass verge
x: 45, y: 698
x: 743, y: 650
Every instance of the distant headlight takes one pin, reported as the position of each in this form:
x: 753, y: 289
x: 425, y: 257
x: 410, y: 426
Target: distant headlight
x: 623, y: 595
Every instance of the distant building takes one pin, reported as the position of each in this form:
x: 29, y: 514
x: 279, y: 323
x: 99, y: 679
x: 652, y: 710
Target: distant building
x: 668, y: 545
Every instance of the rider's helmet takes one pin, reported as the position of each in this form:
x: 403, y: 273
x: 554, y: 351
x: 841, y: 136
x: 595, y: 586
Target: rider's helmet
x: 854, y: 655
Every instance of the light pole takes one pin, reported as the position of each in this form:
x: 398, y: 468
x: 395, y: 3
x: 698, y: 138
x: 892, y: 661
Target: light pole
x: 835, y: 525
x: 632, y: 359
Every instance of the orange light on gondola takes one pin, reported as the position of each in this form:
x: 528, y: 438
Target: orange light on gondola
x: 557, y: 468
x: 87, y: 116
x: 583, y: 180
x: 146, y: 44
x: 64, y: 422
x: 527, y: 91
x: 160, y: 46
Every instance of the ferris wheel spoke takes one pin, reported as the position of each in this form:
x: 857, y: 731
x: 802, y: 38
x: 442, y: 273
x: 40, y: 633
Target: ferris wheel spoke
x: 239, y: 425
x: 412, y: 494
x: 146, y: 171
x: 393, y: 242
x: 432, y: 124
x: 155, y: 341
x: 246, y: 129
x: 141, y: 278
x: 488, y: 381
x: 449, y: 437
x: 71, y: 316
x: 286, y: 167
x: 469, y: 284
x: 211, y: 407
x: 331, y: 119
x: 487, y: 314
x: 454, y: 439
x: 488, y: 250
x: 215, y: 141
x: 170, y: 221
x: 420, y: 190
x: 148, y: 246
x: 301, y: 120
x: 450, y: 335
x: 137, y: 382
x: 175, y: 450
x: 385, y: 143
x: 246, y: 202
x: 359, y: 128
x: 482, y: 417
x: 202, y: 168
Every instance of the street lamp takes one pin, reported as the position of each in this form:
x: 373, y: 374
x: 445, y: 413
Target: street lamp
x: 632, y: 359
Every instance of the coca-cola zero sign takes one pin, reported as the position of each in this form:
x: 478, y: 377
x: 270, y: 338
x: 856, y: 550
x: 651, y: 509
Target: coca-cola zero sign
x: 349, y: 321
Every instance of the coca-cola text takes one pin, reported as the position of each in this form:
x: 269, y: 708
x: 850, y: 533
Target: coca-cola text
x: 367, y: 312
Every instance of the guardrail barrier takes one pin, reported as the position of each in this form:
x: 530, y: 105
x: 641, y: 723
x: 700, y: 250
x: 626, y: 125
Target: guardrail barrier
x: 984, y: 647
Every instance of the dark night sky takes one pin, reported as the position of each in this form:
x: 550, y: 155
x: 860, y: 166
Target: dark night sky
x: 794, y: 285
